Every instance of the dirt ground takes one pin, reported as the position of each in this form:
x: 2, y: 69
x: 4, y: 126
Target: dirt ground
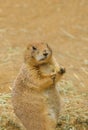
x: 63, y: 24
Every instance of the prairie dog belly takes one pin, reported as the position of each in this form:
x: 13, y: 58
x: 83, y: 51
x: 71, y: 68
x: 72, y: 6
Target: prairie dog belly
x: 47, y: 69
x: 53, y: 102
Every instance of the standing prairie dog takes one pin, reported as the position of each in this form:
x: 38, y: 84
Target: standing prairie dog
x: 35, y: 98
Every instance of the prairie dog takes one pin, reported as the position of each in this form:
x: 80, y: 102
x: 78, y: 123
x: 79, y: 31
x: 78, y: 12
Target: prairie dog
x: 35, y: 98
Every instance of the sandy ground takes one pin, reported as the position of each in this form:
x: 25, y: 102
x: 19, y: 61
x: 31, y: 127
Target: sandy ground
x: 63, y: 24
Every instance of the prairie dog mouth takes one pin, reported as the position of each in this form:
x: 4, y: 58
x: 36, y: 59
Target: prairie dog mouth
x: 42, y: 59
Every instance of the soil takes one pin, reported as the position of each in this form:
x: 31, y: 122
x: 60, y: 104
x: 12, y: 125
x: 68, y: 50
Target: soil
x: 64, y: 26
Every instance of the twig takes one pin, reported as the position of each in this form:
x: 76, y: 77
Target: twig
x: 6, y: 82
x: 67, y: 33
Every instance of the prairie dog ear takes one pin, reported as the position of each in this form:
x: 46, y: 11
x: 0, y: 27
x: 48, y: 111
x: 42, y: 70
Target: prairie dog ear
x: 49, y: 47
x: 28, y: 46
x: 47, y: 44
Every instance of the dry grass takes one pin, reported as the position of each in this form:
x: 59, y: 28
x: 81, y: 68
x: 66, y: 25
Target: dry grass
x: 74, y: 116
x: 64, y: 25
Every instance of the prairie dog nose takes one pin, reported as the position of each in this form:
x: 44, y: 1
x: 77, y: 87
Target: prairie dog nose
x: 45, y: 54
x: 62, y: 70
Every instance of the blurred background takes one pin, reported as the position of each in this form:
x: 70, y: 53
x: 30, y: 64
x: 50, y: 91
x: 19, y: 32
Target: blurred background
x: 63, y: 24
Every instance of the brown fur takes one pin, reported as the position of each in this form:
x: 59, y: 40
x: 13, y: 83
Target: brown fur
x: 35, y: 98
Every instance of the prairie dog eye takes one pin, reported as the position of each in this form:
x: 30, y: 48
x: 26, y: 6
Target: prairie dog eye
x: 34, y: 48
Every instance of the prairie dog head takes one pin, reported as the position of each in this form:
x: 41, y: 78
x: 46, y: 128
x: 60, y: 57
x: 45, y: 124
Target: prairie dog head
x: 38, y: 53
